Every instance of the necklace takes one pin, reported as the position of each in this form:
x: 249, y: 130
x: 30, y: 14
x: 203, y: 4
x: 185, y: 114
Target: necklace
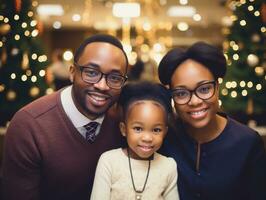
x: 138, y: 192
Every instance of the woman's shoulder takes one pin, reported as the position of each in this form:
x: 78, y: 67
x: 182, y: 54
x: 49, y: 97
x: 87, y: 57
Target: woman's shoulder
x: 240, y: 129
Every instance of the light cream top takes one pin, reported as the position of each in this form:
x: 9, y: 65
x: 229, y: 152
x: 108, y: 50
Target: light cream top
x: 112, y: 180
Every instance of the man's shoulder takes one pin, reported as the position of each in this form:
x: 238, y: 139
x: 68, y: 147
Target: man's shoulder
x: 42, y: 104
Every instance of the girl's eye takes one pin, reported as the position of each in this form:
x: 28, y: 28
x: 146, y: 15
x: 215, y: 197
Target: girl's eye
x: 157, y: 130
x: 137, y: 129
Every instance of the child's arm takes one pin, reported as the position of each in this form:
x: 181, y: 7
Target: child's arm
x: 171, y: 191
x: 102, y: 180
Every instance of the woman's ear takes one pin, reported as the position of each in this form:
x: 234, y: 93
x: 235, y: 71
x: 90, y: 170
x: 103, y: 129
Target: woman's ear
x: 122, y: 127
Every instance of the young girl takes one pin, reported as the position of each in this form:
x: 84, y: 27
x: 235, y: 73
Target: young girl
x: 137, y: 171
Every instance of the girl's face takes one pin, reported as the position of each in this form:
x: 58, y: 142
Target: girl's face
x: 197, y: 113
x: 144, y: 128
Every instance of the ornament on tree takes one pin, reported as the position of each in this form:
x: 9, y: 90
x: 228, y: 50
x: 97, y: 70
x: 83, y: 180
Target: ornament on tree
x: 264, y: 66
x: 25, y: 61
x: 252, y: 60
x: 250, y: 106
x: 3, y: 56
x: 34, y: 91
x: 11, y: 95
x: 40, y: 27
x: 263, y: 12
x: 2, y: 87
x: 4, y: 29
x: 255, y: 37
x: 17, y: 5
x: 14, y: 51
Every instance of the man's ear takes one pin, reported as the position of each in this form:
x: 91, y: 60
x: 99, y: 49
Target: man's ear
x: 71, y: 73
x: 122, y: 127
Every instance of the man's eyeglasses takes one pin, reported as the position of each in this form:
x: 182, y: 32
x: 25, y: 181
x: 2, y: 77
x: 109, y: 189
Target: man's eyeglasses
x: 92, y: 75
x: 204, y: 91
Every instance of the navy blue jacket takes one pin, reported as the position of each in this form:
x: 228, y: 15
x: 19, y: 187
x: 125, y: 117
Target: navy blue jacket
x: 232, y: 166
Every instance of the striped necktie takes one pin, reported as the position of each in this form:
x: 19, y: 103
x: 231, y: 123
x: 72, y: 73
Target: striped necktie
x: 91, y: 131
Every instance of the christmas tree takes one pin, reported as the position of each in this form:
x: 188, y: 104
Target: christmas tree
x: 22, y: 60
x: 244, y: 87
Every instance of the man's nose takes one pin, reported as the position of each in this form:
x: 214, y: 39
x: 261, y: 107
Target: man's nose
x: 102, y: 84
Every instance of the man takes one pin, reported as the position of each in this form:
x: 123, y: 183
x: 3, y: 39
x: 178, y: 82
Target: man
x: 50, y: 151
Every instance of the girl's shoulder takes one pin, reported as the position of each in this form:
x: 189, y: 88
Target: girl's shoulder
x: 164, y: 160
x: 113, y: 153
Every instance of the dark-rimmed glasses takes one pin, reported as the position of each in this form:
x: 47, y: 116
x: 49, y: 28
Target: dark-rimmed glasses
x: 204, y: 91
x: 92, y: 75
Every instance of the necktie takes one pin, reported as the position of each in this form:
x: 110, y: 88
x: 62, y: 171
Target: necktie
x: 91, y: 130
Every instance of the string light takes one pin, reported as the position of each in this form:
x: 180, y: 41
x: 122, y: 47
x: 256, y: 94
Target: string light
x: 1, y: 43
x: 243, y: 22
x: 233, y: 84
x: 42, y: 58
x: 34, y: 91
x: 263, y: 29
x: 235, y: 56
x: 146, y: 26
x: 242, y: 84
x: 35, y: 3
x: 68, y: 55
x: 33, y: 23
x: 235, y: 47
x: 6, y: 20
x: 24, y: 77
x: 42, y: 73
x: 234, y: 94
x: 182, y: 26
x: 250, y: 84
x: 27, y: 33
x: 34, y: 56
x: 30, y: 14
x: 228, y: 85
x: 16, y: 17
x: 13, y: 76
x: 257, y: 13
x: 224, y: 91
x: 28, y: 72
x: 49, y: 91
x: 232, y: 43
x: 1, y: 17
x: 17, y: 37
x: 34, y: 33
x: 244, y: 93
x: 24, y: 25
x: 250, y: 8
x: 259, y: 71
x: 33, y: 79
x: 220, y: 80
x: 259, y: 86
x: 76, y: 17
x: 197, y: 17
x: 57, y: 25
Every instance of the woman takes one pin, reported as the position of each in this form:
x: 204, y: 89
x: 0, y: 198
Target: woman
x: 217, y: 157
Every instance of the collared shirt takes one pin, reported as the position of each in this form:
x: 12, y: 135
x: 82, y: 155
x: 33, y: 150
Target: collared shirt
x: 76, y: 117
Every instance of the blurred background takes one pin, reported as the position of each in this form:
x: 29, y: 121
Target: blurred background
x: 38, y: 40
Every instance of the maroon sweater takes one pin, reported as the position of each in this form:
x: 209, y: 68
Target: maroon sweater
x: 45, y: 157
